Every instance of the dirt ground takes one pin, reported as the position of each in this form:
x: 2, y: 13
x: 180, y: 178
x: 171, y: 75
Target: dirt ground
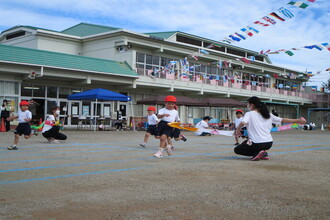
x: 107, y: 175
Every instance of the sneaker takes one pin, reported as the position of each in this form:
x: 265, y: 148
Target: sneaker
x: 12, y: 147
x: 259, y: 155
x: 54, y: 142
x: 36, y: 133
x: 172, y: 147
x: 183, y: 137
x: 265, y: 157
x: 159, y: 154
x: 143, y: 145
x: 169, y: 150
x: 236, y: 144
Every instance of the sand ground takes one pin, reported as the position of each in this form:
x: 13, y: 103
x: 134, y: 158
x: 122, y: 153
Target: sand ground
x: 106, y: 175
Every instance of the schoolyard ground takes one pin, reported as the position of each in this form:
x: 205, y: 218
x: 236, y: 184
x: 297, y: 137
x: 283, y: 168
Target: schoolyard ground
x: 107, y: 175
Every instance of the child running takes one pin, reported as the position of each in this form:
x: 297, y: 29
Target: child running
x: 24, y: 117
x: 259, y: 124
x: 51, y: 130
x: 168, y: 115
x: 152, y: 125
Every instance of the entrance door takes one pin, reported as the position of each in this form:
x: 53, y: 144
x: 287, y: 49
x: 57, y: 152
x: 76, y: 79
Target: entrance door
x: 123, y: 109
x: 64, y: 112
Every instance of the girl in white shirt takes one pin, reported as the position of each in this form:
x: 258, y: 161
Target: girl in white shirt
x: 168, y: 115
x: 258, y: 122
x: 50, y: 130
x: 152, y: 125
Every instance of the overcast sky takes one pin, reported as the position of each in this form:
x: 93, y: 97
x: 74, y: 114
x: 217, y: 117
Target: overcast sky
x: 213, y: 19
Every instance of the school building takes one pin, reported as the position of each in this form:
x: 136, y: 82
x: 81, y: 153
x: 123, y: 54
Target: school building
x: 50, y: 65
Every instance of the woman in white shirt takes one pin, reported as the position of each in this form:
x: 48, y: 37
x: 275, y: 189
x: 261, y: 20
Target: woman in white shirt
x: 51, y: 130
x: 258, y: 122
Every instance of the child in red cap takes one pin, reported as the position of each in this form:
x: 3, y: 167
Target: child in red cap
x: 24, y: 117
x: 237, y: 121
x: 168, y: 115
x: 152, y: 125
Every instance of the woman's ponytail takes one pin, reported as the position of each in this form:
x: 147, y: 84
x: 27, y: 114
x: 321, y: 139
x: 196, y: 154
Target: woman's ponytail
x: 264, y: 110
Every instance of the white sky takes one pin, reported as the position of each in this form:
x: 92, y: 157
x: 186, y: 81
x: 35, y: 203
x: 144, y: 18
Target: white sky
x: 213, y: 19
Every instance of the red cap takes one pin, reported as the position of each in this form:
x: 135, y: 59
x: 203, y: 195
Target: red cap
x: 239, y: 110
x: 23, y: 103
x: 151, y: 108
x: 170, y: 98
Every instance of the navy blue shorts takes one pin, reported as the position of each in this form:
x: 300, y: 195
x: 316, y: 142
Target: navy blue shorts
x: 23, y: 128
x: 176, y: 133
x: 163, y: 128
x: 153, y: 130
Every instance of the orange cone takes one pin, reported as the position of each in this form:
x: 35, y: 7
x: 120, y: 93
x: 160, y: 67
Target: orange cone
x: 2, y: 128
x: 40, y: 122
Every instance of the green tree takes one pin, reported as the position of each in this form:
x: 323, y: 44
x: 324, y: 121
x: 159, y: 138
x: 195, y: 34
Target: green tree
x: 326, y: 85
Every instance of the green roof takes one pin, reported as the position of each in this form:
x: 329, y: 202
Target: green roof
x: 164, y: 35
x: 85, y: 29
x: 62, y: 60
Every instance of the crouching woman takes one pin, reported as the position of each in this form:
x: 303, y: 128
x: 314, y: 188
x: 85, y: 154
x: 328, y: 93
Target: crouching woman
x: 51, y: 129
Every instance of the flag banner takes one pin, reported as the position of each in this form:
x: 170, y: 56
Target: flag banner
x: 261, y: 52
x: 289, y: 53
x: 253, y: 29
x: 204, y: 51
x: 241, y: 36
x: 318, y: 72
x: 173, y: 63
x: 275, y: 76
x: 247, y: 32
x: 301, y: 76
x: 209, y: 46
x: 268, y: 19
x: 327, y: 69
x: 234, y: 38
x: 243, y: 59
x: 286, y: 12
x: 276, y: 16
x: 313, y: 46
x: 326, y: 45
x: 311, y: 0
x: 261, y: 23
x: 227, y: 40
x: 253, y: 58
x: 298, y: 4
x: 314, y: 88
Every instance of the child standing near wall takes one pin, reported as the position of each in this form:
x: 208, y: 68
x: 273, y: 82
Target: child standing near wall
x: 152, y: 125
x: 168, y: 115
x: 24, y: 117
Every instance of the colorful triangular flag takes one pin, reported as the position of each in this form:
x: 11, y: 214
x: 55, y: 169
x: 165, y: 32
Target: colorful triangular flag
x: 298, y: 4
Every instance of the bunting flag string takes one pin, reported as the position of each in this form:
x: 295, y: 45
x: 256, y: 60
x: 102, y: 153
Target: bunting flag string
x: 319, y: 47
x: 281, y: 14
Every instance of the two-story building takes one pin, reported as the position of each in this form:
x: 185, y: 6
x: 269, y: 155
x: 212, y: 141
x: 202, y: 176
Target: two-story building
x: 50, y: 65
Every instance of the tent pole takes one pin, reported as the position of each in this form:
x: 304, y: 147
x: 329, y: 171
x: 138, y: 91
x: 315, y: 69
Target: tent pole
x: 95, y: 115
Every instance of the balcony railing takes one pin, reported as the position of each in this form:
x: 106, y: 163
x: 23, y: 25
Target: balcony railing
x: 229, y: 83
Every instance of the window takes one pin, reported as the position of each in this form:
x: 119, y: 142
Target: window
x: 188, y: 40
x: 140, y: 57
x: 14, y: 35
x: 236, y: 52
x: 64, y: 92
x: 51, y: 92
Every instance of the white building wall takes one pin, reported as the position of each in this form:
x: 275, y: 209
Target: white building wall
x: 29, y: 40
x: 59, y: 45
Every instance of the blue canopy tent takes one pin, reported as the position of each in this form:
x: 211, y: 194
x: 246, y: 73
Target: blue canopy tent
x: 99, y: 95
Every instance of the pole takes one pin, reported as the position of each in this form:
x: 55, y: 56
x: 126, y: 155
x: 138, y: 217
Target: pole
x: 95, y: 115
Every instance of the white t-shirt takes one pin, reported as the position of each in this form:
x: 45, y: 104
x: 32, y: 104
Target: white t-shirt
x: 258, y: 127
x: 24, y: 115
x: 50, y: 119
x: 201, y: 124
x: 152, y: 119
x: 174, y: 115
x: 238, y: 121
